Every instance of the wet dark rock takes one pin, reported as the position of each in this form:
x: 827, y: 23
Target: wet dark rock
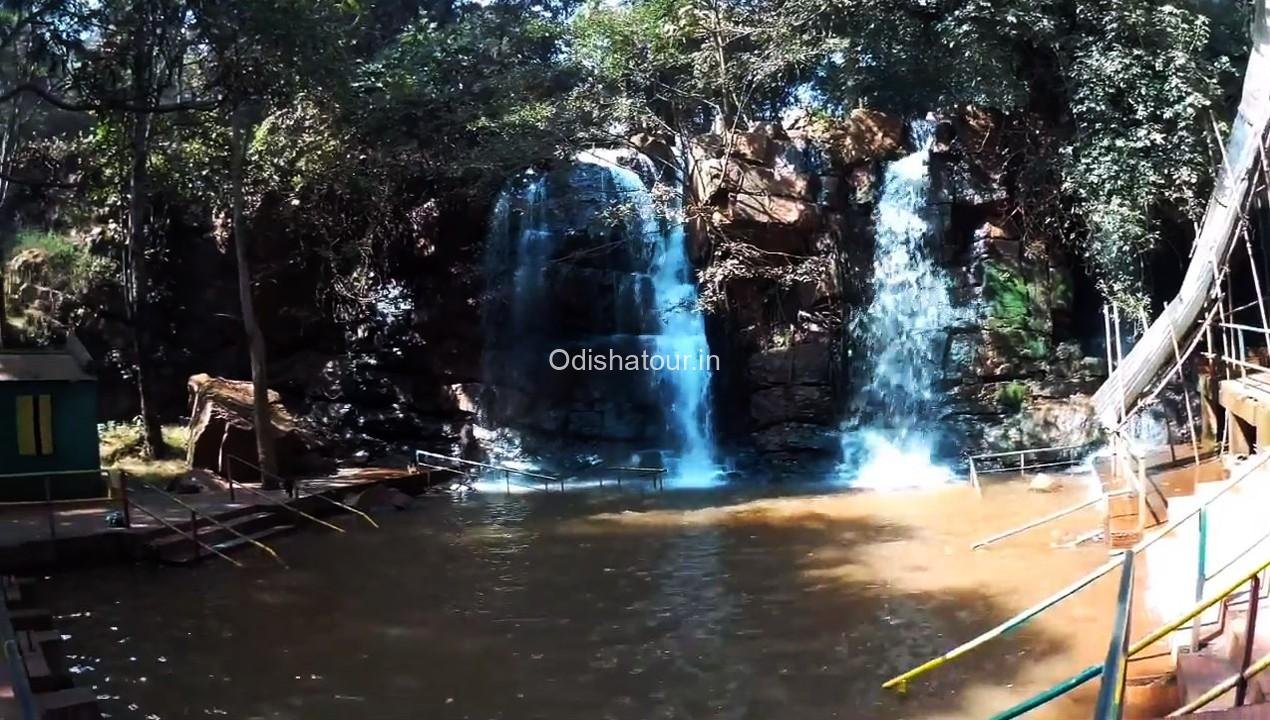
x: 794, y: 436
x: 802, y: 364
x: 382, y: 497
x: 792, y: 403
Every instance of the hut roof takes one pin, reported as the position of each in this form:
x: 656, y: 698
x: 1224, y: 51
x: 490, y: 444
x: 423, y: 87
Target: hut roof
x: 41, y: 365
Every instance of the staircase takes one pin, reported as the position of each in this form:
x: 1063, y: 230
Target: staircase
x: 177, y: 546
x: 36, y: 673
x: 1231, y: 551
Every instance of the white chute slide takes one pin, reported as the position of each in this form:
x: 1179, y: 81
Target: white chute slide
x: 1156, y: 350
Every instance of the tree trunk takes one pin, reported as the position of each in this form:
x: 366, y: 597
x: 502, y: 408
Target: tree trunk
x: 261, y: 416
x: 1178, y: 322
x: 138, y: 276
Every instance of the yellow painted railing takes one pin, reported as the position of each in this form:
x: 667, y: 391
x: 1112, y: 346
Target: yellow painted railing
x: 900, y: 682
x: 1154, y: 637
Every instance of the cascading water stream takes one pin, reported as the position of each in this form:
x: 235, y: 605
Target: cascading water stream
x: 682, y: 336
x: 653, y: 297
x: 903, y: 333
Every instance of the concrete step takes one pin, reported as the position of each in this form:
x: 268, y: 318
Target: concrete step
x: 68, y: 704
x: 1197, y: 673
x: 211, y: 533
x: 31, y: 619
x: 1260, y: 711
x: 187, y: 553
x: 164, y: 506
x: 1222, y: 658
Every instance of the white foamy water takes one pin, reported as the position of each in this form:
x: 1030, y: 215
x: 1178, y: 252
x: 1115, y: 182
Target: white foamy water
x: 651, y: 223
x: 904, y: 330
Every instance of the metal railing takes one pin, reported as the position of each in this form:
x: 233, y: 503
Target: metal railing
x: 507, y: 471
x: 1115, y: 670
x: 48, y: 503
x: 192, y: 534
x: 658, y: 475
x: 900, y: 682
x: 1036, y: 523
x: 296, y: 486
x: 195, y: 513
x: 1094, y: 671
x: 976, y: 462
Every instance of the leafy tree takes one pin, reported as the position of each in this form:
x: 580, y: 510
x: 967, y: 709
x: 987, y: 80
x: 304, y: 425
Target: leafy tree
x: 1116, y: 100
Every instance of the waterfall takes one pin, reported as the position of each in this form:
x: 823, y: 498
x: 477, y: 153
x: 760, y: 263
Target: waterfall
x: 903, y: 333
x: 593, y: 258
x: 682, y: 335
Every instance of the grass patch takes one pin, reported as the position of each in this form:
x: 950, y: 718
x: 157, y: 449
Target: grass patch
x: 1014, y: 395
x: 69, y: 266
x: 121, y: 449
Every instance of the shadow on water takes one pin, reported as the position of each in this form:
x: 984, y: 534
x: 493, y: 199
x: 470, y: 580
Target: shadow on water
x: 699, y: 605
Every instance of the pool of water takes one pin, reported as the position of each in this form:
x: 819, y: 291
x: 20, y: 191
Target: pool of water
x: 604, y: 604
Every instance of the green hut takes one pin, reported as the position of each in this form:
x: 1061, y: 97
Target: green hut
x: 48, y: 428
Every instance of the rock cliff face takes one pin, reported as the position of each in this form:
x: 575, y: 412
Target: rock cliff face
x: 784, y: 226
x: 781, y: 234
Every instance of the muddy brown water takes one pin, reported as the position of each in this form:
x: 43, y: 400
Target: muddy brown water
x: 597, y: 605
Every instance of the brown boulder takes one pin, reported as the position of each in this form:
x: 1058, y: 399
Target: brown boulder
x: 771, y: 210
x: 711, y: 175
x: 862, y: 136
x: 222, y: 431
x: 998, y: 228
x: 755, y: 147
x: 862, y: 184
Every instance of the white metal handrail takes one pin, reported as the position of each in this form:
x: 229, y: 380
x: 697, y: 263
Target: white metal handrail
x: 487, y: 466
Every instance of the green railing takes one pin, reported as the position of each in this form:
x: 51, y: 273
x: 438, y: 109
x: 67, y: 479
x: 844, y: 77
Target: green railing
x: 900, y: 682
x: 1094, y: 671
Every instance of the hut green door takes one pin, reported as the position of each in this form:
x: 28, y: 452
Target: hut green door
x: 48, y: 441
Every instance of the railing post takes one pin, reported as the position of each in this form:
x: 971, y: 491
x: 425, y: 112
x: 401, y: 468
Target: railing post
x: 123, y: 494
x: 1250, y: 634
x: 1115, y: 668
x: 194, y: 533
x: 1200, y: 571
